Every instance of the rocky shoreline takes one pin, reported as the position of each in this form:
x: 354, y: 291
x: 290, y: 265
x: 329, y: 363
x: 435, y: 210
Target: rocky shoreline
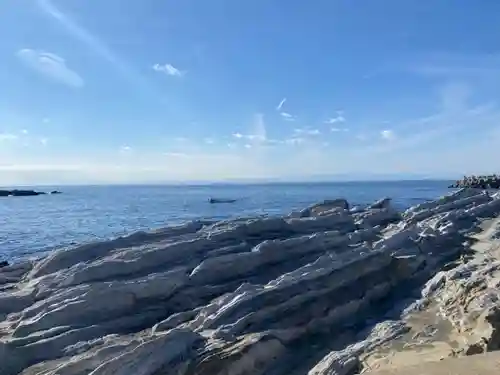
x: 331, y: 289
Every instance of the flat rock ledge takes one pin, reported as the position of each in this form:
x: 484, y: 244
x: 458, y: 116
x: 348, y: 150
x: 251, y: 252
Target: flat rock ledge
x: 309, y: 293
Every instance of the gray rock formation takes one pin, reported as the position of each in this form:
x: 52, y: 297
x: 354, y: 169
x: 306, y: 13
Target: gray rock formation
x: 304, y: 294
x: 20, y: 193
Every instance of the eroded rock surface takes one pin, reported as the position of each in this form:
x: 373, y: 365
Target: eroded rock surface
x: 310, y: 293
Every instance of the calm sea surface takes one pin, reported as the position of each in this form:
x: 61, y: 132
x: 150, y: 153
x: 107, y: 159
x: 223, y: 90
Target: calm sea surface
x: 30, y: 226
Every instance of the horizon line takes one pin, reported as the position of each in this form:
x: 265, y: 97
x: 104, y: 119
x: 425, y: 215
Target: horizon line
x: 231, y: 182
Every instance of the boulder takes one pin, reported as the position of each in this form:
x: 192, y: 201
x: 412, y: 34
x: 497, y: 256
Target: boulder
x: 328, y: 205
x: 381, y: 203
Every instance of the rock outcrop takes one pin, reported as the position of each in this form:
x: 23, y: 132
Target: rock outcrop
x: 309, y: 293
x: 23, y: 193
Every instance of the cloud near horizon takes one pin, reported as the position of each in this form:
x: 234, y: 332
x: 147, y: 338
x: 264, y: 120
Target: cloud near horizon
x: 8, y: 137
x: 301, y: 153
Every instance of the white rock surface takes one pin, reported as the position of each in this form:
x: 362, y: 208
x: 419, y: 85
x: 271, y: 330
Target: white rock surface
x: 248, y: 296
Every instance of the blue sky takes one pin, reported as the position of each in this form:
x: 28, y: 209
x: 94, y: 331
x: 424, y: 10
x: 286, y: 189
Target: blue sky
x: 161, y: 90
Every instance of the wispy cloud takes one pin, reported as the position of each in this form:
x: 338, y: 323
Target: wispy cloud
x: 455, y: 71
x: 453, y: 66
x: 259, y: 127
x: 125, y: 149
x: 335, y: 129
x: 51, y: 66
x: 94, y: 43
x: 388, y: 135
x: 337, y: 119
x: 44, y: 141
x: 209, y: 141
x: 81, y: 33
x: 283, y: 101
x: 257, y: 133
x: 169, y: 70
x: 427, y: 131
x: 307, y: 131
x: 287, y: 116
x: 6, y: 137
x: 454, y: 114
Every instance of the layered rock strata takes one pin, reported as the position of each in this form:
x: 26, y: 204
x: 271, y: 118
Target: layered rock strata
x: 309, y: 293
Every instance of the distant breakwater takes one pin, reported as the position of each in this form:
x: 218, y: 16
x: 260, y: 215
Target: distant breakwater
x: 478, y: 182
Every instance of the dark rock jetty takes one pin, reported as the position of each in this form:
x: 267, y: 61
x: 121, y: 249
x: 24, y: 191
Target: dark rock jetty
x: 478, y: 182
x: 23, y: 193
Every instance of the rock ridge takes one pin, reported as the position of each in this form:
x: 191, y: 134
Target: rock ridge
x: 308, y: 293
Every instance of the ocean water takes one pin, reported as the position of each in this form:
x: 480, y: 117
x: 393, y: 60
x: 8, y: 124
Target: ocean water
x: 31, y: 226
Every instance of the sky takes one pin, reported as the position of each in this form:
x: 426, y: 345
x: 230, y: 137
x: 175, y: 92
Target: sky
x: 151, y: 91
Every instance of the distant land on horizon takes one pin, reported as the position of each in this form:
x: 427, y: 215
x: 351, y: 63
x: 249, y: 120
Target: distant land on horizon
x: 334, y: 178
x: 340, y: 178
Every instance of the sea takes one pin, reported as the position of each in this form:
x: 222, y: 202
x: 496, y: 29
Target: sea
x: 32, y: 226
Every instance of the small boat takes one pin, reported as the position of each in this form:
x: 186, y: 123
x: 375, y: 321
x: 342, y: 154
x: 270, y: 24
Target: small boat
x: 221, y: 200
